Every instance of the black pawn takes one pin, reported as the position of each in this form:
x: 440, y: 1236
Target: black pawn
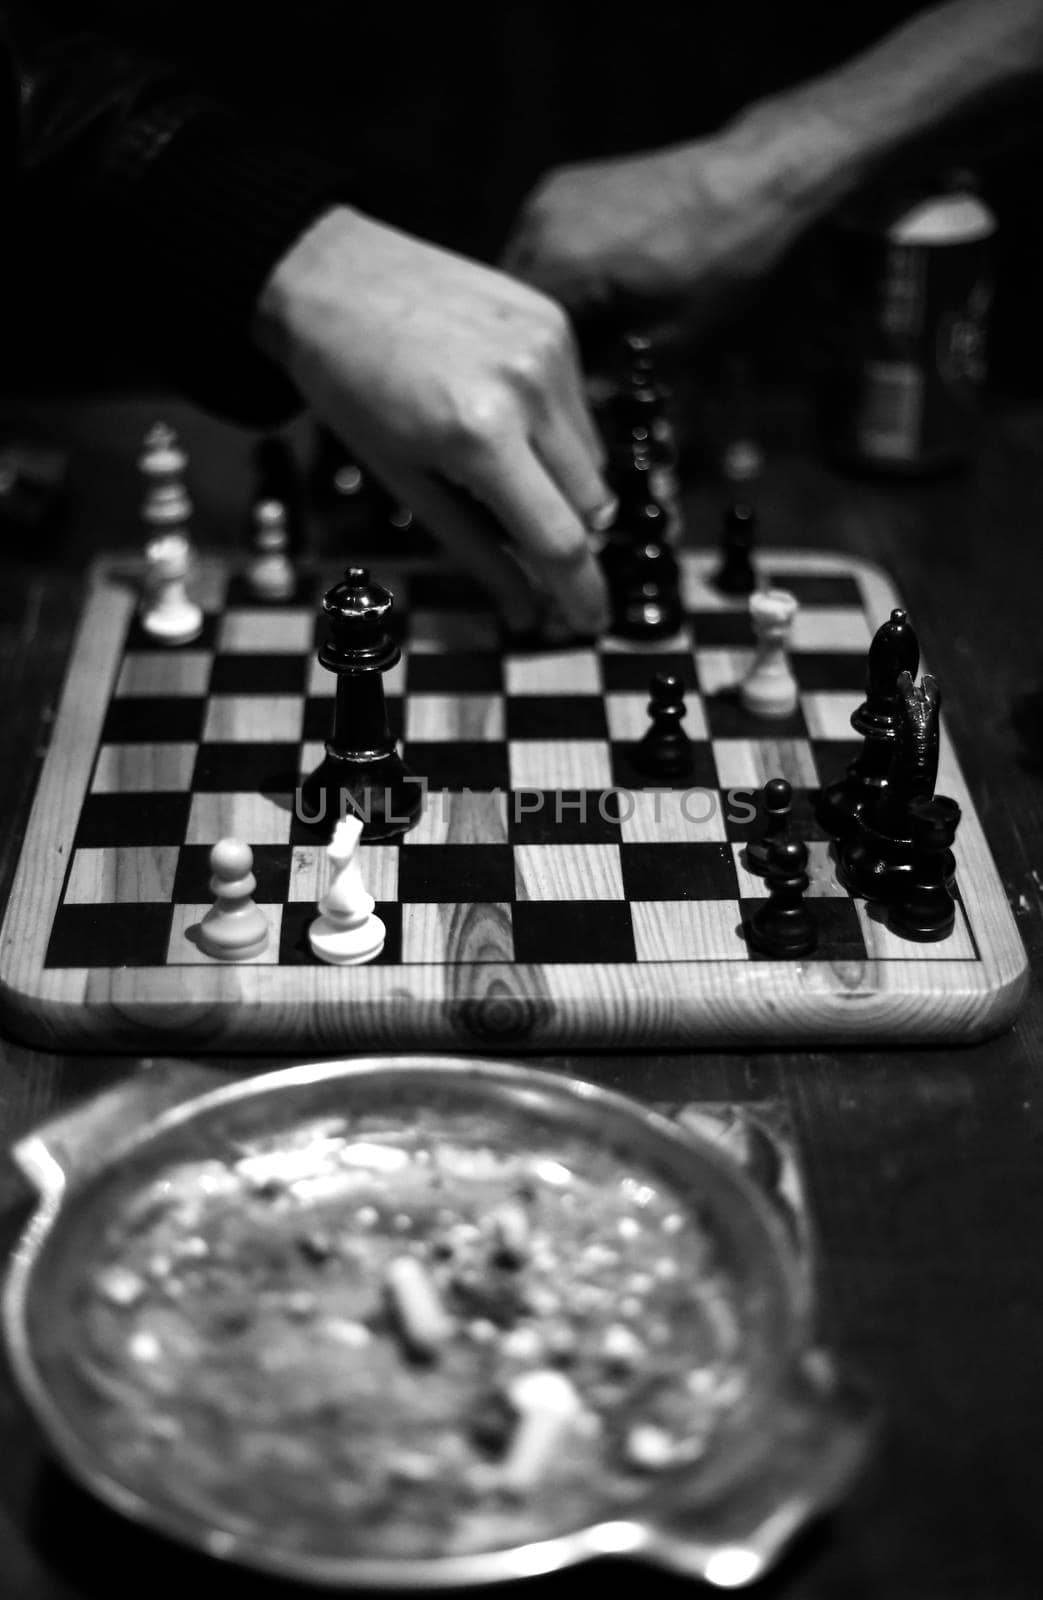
x: 666, y: 750
x: 784, y: 926
x: 776, y: 806
x: 736, y: 574
x: 926, y: 910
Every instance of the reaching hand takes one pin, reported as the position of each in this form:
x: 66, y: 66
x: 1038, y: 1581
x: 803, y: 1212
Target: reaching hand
x: 679, y: 232
x: 461, y: 389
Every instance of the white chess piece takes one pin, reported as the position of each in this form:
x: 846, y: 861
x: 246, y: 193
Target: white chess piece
x: 235, y: 928
x: 167, y: 506
x: 346, y: 932
x: 769, y: 688
x: 270, y: 574
x: 168, y: 614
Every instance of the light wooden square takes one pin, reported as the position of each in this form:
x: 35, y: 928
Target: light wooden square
x: 285, y: 631
x: 143, y: 768
x: 671, y: 816
x: 560, y: 764
x: 823, y: 883
x: 827, y: 713
x: 253, y: 818
x: 678, y: 643
x: 183, y: 951
x: 628, y: 719
x: 568, y: 872
x: 749, y: 763
x: 310, y: 871
x: 164, y: 672
x: 697, y: 589
x: 122, y: 875
x: 253, y: 719
x: 844, y: 629
x: 456, y: 932
x: 687, y: 930
x: 560, y: 672
x: 719, y: 669
x: 454, y: 716
x: 451, y: 816
x: 884, y: 945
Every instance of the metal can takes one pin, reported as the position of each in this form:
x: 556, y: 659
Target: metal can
x: 914, y: 290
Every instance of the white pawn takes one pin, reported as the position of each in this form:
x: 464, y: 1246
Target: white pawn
x: 346, y: 932
x: 270, y: 574
x: 769, y: 688
x: 235, y: 928
x: 168, y: 613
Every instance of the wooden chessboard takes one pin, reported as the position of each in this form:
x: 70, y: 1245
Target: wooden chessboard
x: 550, y: 895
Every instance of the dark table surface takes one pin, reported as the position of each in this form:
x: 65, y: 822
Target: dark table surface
x: 924, y: 1166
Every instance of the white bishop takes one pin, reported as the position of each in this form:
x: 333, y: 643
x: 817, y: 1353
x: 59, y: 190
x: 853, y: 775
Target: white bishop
x: 346, y: 932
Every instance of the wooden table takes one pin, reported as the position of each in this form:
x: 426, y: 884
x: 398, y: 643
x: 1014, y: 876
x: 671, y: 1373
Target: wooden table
x: 925, y: 1167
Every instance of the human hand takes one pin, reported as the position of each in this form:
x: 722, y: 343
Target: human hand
x: 680, y: 233
x: 461, y: 389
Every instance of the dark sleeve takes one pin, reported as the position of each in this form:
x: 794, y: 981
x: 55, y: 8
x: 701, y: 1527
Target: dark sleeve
x: 148, y: 215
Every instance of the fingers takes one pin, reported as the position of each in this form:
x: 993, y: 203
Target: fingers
x: 518, y: 489
x: 471, y: 537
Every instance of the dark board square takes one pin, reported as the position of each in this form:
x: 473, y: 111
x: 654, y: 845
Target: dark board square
x: 831, y: 669
x: 318, y: 716
x: 833, y: 757
x: 451, y: 873
x: 240, y: 594
x: 148, y: 719
x: 130, y: 819
x: 727, y: 718
x: 671, y: 871
x: 138, y: 639
x: 236, y: 768
x: 270, y: 674
x: 839, y: 930
x: 627, y: 773
x: 632, y: 674
x: 454, y: 672
x: 459, y: 763
x: 563, y: 816
x: 445, y: 591
x: 573, y: 931
x: 722, y: 630
x: 295, y: 951
x: 552, y: 716
x: 110, y: 936
x: 818, y: 588
x: 743, y: 819
x: 271, y: 869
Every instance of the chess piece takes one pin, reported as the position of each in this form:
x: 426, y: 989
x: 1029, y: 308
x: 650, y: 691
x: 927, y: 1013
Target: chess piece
x: 167, y: 506
x: 639, y: 565
x: 641, y: 426
x: 665, y: 751
x: 269, y: 573
x: 235, y: 928
x: 168, y: 613
x: 784, y: 925
x: 769, y: 688
x: 776, y: 804
x: 346, y: 932
x: 736, y: 574
x: 894, y: 650
x: 925, y: 909
x: 277, y: 476
x: 362, y: 772
x: 877, y: 855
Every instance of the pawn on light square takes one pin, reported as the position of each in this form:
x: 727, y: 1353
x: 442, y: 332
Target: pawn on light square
x: 769, y: 688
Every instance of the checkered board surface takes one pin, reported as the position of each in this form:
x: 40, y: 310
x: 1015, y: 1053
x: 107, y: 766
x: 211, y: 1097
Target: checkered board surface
x: 550, y: 895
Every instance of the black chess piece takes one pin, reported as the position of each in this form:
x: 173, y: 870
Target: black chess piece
x: 362, y: 772
x: 895, y: 649
x: 785, y: 925
x: 639, y: 566
x: 777, y: 806
x: 736, y: 574
x: 926, y: 910
x: 665, y: 751
x: 877, y: 854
